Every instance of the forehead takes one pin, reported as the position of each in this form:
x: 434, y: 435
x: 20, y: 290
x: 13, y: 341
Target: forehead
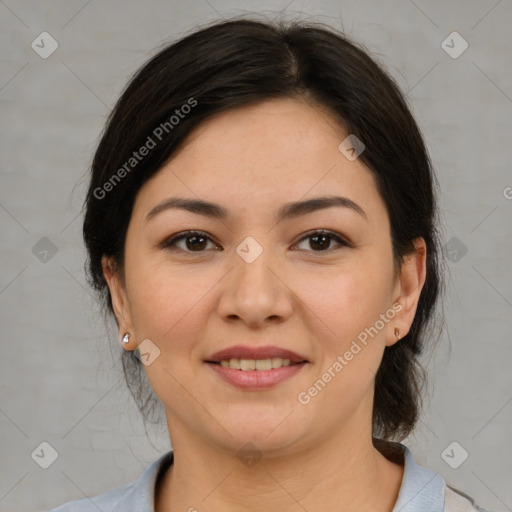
x: 255, y: 158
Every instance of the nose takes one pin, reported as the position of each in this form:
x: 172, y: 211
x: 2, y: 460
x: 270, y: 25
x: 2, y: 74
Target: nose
x: 256, y: 292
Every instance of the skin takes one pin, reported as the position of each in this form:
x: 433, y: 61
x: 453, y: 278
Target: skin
x: 192, y: 303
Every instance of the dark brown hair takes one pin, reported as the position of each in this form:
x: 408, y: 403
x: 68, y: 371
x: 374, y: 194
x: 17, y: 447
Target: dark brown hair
x: 232, y: 63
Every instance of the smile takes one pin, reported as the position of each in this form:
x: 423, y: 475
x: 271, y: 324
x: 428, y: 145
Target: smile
x: 251, y: 378
x: 255, y: 368
x: 255, y: 364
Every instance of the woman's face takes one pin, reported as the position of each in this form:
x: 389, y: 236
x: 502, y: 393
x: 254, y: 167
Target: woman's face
x: 256, y: 285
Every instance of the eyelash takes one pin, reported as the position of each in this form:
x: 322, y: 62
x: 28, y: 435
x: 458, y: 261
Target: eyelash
x: 186, y: 234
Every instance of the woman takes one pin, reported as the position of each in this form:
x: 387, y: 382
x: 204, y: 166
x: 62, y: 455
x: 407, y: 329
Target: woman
x: 261, y: 220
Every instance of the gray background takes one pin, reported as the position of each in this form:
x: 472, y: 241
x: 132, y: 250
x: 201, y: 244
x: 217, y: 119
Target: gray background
x: 59, y: 377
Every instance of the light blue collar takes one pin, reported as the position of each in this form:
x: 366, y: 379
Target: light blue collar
x: 422, y: 489
x: 140, y: 496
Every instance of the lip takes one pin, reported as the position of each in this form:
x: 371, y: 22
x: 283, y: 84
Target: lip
x: 255, y: 379
x: 244, y: 352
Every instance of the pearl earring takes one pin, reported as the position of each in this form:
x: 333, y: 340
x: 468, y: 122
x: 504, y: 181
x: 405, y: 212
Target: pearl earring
x: 126, y: 338
x: 397, y: 333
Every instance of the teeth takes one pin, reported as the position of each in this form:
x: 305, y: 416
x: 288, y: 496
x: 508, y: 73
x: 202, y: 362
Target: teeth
x: 263, y: 364
x: 255, y: 364
x: 247, y: 364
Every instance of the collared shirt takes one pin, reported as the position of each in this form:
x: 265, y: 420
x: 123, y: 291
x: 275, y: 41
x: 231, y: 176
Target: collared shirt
x: 422, y: 490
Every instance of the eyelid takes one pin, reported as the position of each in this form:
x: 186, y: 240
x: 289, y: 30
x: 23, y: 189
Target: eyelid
x: 340, y: 239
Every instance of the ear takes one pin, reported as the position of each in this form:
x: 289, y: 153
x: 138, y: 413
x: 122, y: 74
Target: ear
x: 118, y: 293
x: 408, y: 289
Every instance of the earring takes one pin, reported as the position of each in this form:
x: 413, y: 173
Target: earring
x: 397, y: 333
x: 126, y: 338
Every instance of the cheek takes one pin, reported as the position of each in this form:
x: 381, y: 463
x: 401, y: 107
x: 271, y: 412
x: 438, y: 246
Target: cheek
x: 165, y: 300
x: 169, y: 307
x: 346, y: 301
x: 348, y: 351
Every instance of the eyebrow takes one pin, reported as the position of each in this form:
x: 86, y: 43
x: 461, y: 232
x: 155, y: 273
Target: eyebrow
x: 287, y: 211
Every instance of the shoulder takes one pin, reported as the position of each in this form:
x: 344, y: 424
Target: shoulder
x: 425, y: 490
x: 134, y: 497
x: 457, y: 501
x: 104, y: 502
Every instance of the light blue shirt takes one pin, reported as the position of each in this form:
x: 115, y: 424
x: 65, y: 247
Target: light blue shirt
x: 422, y: 490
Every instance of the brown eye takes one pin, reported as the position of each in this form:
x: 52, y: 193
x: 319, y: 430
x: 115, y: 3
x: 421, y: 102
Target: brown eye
x: 320, y: 241
x: 195, y: 241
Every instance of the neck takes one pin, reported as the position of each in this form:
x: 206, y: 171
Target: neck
x: 343, y: 473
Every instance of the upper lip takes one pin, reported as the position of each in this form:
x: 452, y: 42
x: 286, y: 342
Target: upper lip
x: 245, y: 352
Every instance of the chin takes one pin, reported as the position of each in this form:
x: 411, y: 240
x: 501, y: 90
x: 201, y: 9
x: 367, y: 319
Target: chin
x: 267, y: 428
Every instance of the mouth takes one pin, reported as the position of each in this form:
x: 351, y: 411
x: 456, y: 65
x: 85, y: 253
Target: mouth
x: 255, y: 368
x: 255, y: 358
x: 255, y: 364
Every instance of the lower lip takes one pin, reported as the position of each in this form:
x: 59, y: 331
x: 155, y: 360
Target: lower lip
x: 256, y: 379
